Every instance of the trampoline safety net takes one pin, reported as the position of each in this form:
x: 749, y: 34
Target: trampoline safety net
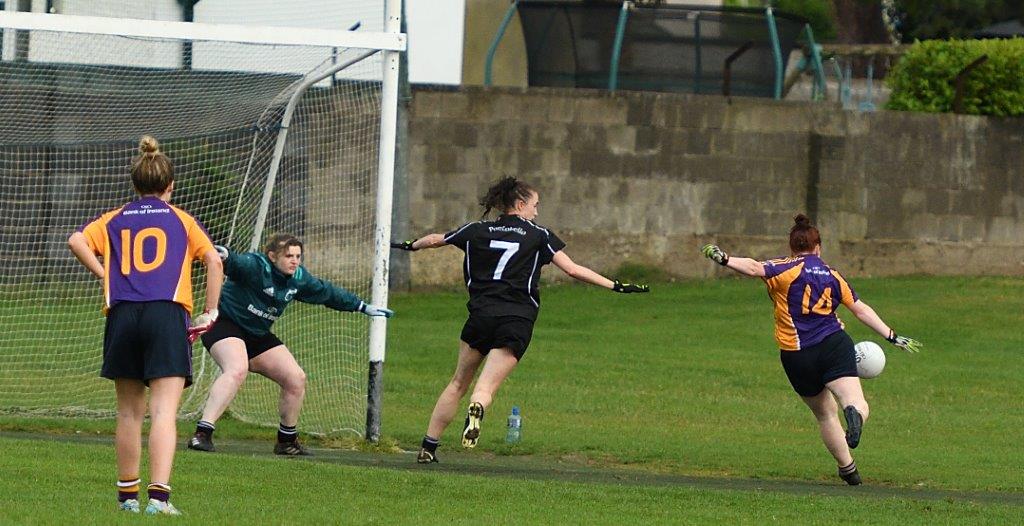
x: 664, y: 48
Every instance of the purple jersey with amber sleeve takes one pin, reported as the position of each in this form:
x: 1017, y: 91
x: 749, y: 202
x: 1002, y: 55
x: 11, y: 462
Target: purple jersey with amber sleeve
x: 806, y: 293
x: 148, y: 247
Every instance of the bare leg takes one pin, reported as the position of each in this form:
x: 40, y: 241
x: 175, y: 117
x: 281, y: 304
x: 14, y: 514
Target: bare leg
x: 131, y: 410
x: 500, y: 363
x: 279, y: 365
x: 825, y: 411
x: 165, y: 394
x: 448, y: 403
x: 230, y: 355
x: 849, y: 392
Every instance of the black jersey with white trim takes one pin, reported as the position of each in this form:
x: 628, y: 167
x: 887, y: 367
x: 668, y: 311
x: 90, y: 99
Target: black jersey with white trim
x: 502, y: 264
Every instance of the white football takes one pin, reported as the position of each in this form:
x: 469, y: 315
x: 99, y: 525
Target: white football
x: 870, y: 359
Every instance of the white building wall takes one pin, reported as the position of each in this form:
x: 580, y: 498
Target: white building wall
x: 435, y: 34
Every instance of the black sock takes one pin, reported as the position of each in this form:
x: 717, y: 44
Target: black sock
x: 430, y: 443
x: 850, y: 468
x: 287, y: 433
x: 205, y: 427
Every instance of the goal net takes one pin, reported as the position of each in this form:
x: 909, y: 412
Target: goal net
x: 267, y: 136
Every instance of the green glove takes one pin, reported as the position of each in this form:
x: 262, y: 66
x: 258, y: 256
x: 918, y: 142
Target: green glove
x: 715, y: 254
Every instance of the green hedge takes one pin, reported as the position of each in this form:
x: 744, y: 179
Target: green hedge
x: 923, y: 78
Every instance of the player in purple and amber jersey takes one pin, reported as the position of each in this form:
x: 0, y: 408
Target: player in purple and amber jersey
x: 151, y: 245
x: 792, y: 282
x: 816, y: 353
x: 147, y: 248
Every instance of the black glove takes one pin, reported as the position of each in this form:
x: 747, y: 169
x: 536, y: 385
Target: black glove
x: 627, y: 288
x: 404, y: 245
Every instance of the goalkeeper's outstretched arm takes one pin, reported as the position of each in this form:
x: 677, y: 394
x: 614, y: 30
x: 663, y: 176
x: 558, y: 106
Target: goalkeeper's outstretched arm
x: 586, y: 275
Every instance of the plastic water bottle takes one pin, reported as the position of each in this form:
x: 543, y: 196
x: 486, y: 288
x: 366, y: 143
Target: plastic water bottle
x: 515, y: 427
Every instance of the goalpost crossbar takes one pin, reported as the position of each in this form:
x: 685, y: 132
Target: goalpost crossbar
x: 199, y: 31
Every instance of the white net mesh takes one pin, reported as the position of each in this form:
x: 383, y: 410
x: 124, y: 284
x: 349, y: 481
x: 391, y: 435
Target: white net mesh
x: 72, y: 116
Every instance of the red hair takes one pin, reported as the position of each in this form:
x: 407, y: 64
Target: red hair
x: 803, y: 236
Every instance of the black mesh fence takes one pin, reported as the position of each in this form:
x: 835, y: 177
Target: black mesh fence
x: 664, y: 48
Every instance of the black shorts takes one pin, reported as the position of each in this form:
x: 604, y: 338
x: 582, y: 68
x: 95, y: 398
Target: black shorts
x: 254, y: 345
x: 811, y: 368
x: 146, y: 340
x: 484, y: 333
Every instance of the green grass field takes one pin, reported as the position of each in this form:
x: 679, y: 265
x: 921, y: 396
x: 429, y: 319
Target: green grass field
x: 670, y: 407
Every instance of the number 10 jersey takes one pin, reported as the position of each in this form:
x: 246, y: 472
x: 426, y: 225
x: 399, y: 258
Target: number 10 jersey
x: 147, y: 247
x: 502, y: 264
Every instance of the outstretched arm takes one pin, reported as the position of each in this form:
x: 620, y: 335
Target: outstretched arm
x: 427, y: 241
x: 869, y: 317
x: 745, y: 266
x: 584, y: 274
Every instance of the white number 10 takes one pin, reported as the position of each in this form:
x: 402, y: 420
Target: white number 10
x: 510, y: 249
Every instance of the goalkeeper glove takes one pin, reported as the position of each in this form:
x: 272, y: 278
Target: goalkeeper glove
x: 907, y: 344
x: 222, y: 251
x: 715, y: 254
x: 201, y: 324
x: 373, y: 310
x: 404, y: 245
x: 627, y: 288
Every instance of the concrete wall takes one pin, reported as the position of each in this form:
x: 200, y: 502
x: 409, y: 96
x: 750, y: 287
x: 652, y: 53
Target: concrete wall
x: 647, y: 178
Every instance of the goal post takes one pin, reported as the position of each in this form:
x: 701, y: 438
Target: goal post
x: 382, y: 232
x: 271, y: 129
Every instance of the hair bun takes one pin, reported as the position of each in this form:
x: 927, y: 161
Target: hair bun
x: 802, y: 220
x: 148, y: 145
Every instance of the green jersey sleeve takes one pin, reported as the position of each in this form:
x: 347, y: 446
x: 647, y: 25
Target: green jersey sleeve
x: 244, y: 268
x: 319, y: 292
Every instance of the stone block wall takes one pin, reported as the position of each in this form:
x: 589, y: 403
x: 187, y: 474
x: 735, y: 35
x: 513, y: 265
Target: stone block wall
x: 648, y: 177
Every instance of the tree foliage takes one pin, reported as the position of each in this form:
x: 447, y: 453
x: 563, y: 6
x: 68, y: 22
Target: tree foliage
x: 943, y: 19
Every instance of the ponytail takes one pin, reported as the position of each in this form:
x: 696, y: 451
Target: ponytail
x: 504, y: 194
x: 803, y: 236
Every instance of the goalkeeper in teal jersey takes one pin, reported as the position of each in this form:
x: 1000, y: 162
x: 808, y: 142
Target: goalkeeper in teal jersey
x: 258, y: 289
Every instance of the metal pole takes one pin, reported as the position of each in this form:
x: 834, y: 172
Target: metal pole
x: 698, y: 67
x: 727, y: 70
x: 819, y: 69
x: 282, y: 136
x: 489, y: 62
x: 773, y: 33
x: 382, y: 232
x: 868, y: 104
x: 960, y: 83
x: 400, y: 271
x: 620, y: 33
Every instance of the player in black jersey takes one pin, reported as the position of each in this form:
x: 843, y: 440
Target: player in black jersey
x: 503, y: 260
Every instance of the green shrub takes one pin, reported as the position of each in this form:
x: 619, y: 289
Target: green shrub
x: 923, y: 79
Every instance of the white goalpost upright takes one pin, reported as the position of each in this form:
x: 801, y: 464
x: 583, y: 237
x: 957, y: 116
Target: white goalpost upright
x: 382, y: 232
x: 271, y: 129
